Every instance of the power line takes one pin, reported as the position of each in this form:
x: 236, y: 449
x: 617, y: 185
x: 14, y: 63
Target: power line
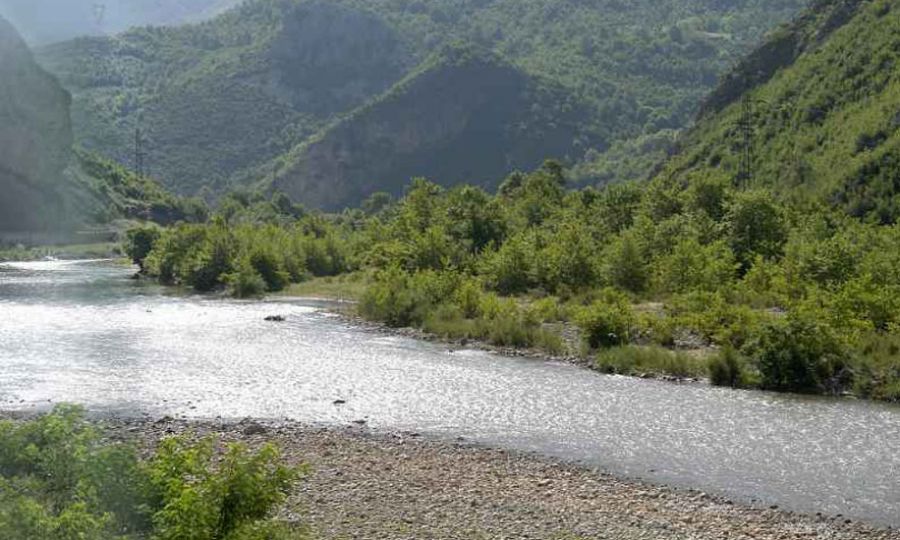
x: 746, y: 131
x: 139, y: 152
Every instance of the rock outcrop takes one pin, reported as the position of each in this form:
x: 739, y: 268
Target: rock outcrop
x: 35, y: 138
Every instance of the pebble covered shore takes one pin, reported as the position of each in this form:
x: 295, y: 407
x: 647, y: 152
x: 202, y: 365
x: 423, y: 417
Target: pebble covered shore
x: 402, y: 486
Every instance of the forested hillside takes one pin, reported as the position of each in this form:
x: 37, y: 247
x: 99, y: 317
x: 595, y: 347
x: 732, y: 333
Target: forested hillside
x: 47, y: 21
x: 35, y: 137
x: 465, y: 115
x: 825, y: 128
x: 784, y: 278
x: 215, y: 99
x: 223, y: 100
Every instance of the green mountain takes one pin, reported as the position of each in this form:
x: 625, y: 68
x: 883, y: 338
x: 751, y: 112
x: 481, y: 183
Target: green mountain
x: 214, y: 99
x: 218, y: 102
x: 48, y: 21
x: 464, y: 116
x: 50, y: 192
x: 35, y: 137
x: 821, y: 123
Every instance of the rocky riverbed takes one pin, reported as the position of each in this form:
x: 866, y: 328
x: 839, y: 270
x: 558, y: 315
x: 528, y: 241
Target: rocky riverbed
x: 402, y: 486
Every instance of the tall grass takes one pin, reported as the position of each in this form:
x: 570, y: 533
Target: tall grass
x: 656, y: 361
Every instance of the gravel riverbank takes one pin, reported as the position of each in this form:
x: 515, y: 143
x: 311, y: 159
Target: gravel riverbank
x: 401, y: 486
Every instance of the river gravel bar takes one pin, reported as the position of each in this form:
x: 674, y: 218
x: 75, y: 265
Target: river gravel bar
x: 366, y: 485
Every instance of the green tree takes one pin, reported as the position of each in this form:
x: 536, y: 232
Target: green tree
x: 756, y: 226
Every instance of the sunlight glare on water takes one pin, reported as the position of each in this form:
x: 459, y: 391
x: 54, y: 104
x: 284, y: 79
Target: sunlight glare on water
x: 85, y: 333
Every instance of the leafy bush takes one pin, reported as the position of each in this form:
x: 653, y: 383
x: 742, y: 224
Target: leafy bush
x: 139, y: 242
x: 876, y: 366
x: 196, y: 500
x: 798, y: 353
x: 246, y: 282
x: 60, y: 479
x: 270, y: 269
x: 728, y: 368
x: 607, y: 322
x: 391, y: 300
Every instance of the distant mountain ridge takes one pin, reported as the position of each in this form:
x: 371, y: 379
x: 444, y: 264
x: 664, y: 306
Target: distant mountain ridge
x: 47, y: 21
x: 237, y: 99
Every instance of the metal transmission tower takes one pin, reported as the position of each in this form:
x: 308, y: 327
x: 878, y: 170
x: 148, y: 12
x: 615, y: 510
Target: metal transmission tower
x: 99, y: 11
x: 138, y: 152
x: 746, y: 130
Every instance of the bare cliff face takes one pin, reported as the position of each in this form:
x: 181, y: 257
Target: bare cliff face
x: 35, y: 137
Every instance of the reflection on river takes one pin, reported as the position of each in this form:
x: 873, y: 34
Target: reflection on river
x: 83, y: 332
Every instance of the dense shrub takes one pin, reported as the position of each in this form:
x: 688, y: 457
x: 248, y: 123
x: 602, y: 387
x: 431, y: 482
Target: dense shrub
x: 728, y: 368
x: 607, y: 322
x: 60, y: 479
x: 798, y: 353
x: 391, y: 299
x: 876, y: 366
x: 139, y: 242
x: 245, y: 281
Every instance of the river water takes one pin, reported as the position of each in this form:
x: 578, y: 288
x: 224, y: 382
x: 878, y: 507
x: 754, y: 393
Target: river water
x: 83, y: 332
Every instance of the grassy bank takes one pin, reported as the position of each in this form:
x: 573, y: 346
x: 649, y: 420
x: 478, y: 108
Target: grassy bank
x: 350, y: 287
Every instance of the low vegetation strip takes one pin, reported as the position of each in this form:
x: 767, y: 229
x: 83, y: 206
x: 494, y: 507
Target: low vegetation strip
x: 776, y: 295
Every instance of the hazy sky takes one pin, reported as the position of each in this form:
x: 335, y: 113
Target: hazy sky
x: 46, y: 21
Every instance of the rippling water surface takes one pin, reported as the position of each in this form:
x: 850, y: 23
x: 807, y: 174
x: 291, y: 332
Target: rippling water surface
x: 83, y: 332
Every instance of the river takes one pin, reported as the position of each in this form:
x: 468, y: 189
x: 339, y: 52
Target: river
x: 83, y: 332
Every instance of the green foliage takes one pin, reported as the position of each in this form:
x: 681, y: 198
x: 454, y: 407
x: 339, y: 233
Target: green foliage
x: 798, y: 353
x: 755, y: 226
x: 197, y: 501
x: 390, y: 299
x: 876, y: 366
x: 139, y: 242
x: 695, y: 267
x: 607, y: 322
x: 240, y: 255
x: 634, y: 74
x: 634, y: 360
x: 729, y: 368
x: 245, y: 281
x: 118, y: 193
x: 625, y: 264
x: 60, y: 479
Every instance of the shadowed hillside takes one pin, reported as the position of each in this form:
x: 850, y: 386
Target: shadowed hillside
x: 465, y: 116
x: 214, y: 99
x: 35, y: 137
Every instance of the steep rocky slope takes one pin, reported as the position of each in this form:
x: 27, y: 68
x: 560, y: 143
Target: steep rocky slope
x: 35, y: 137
